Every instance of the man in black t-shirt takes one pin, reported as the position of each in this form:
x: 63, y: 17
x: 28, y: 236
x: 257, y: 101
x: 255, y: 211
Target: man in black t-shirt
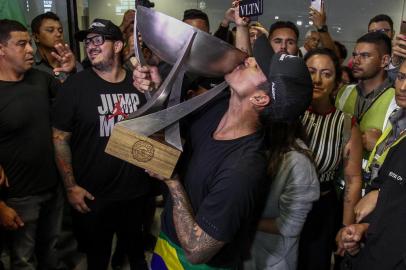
x: 31, y: 202
x: 211, y: 209
x: 107, y: 193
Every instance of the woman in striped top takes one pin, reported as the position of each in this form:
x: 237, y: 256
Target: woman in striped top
x: 334, y: 139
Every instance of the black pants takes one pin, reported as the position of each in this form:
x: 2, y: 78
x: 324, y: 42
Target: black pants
x: 339, y: 223
x: 95, y: 231
x: 318, y: 234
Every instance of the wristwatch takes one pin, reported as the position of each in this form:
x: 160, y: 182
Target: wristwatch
x: 322, y: 29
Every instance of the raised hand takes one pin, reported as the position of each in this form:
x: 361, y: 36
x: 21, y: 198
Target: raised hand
x: 128, y: 19
x: 236, y: 14
x: 65, y: 57
x: 146, y: 78
x: 399, y: 49
x: 318, y: 17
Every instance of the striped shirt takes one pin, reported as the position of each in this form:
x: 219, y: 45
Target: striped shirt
x: 325, y: 138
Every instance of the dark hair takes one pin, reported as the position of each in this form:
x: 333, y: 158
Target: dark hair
x: 382, y: 18
x: 281, y: 137
x: 283, y: 24
x: 349, y: 72
x: 341, y: 49
x: 379, y: 39
x: 265, y: 115
x: 8, y: 26
x: 333, y: 57
x: 37, y: 21
x: 191, y: 14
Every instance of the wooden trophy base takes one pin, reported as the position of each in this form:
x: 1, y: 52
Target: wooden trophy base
x: 152, y: 154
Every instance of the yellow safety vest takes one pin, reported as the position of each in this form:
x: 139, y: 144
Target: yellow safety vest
x: 376, y: 116
x: 379, y: 159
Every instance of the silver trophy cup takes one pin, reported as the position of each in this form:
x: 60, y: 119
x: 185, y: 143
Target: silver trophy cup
x: 188, y: 49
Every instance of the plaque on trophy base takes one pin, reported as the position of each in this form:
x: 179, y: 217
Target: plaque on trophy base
x: 151, y: 153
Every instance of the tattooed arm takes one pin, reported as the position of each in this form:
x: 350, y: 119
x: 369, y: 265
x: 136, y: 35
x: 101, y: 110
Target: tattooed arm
x: 63, y: 156
x: 199, y: 247
x: 352, y: 156
x: 352, y: 175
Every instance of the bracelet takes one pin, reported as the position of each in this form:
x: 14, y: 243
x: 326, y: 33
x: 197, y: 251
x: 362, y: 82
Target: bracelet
x: 323, y: 29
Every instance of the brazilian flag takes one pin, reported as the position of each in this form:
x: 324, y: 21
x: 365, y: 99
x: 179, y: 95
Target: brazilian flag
x: 11, y: 9
x: 169, y: 256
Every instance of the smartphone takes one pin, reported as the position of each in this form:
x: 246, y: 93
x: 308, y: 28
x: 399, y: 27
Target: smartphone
x: 316, y: 4
x: 251, y: 8
x: 403, y: 27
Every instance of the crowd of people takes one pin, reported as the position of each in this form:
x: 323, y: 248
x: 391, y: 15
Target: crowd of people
x: 298, y: 165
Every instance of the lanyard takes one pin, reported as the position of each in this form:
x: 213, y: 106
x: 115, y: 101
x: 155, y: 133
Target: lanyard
x: 376, y: 159
x: 366, y: 102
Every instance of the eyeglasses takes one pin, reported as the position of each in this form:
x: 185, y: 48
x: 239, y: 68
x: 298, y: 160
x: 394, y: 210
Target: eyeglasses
x: 382, y: 30
x: 95, y: 40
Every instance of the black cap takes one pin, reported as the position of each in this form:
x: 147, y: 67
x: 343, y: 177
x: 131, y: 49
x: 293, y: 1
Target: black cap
x: 290, y: 84
x: 102, y: 27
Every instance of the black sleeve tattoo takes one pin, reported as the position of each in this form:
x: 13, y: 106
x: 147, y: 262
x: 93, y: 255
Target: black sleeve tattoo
x: 63, y: 156
x: 199, y: 247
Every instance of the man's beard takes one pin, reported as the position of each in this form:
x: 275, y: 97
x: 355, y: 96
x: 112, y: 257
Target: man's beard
x: 104, y: 65
x: 367, y: 76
